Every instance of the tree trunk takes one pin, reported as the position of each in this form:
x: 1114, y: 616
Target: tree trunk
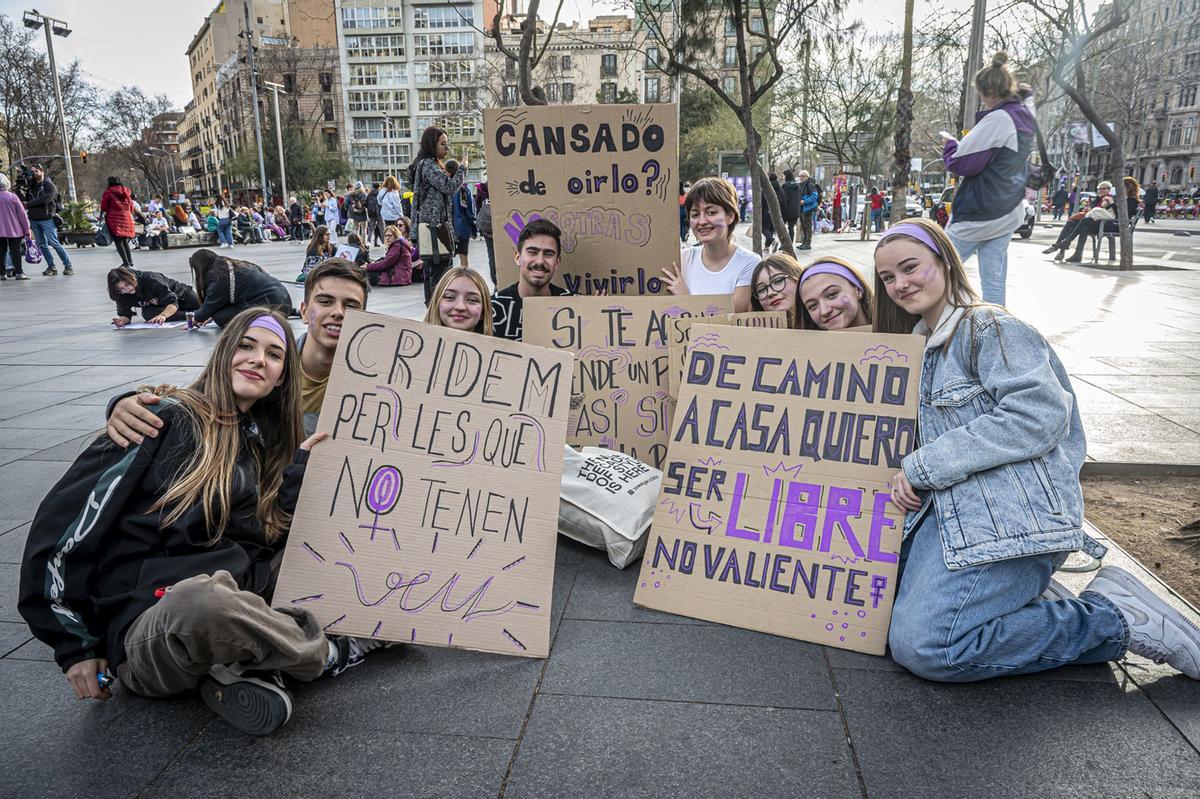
x: 752, y: 142
x: 904, y: 114
x: 772, y: 207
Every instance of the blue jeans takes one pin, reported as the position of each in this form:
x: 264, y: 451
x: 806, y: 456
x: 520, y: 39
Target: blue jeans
x: 225, y: 231
x: 877, y: 219
x: 47, y: 237
x: 993, y: 264
x: 990, y: 620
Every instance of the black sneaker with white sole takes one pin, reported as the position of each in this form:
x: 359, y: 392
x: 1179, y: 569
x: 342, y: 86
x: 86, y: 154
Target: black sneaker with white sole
x: 352, y: 651
x: 254, y: 702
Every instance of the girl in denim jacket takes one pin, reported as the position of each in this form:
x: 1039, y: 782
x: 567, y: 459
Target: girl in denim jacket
x: 992, y: 493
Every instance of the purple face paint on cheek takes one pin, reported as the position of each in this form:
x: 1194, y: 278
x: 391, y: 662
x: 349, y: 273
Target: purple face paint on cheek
x: 929, y: 272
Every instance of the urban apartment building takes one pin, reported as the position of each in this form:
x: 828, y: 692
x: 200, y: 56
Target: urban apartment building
x: 601, y: 61
x: 406, y: 65
x: 296, y: 46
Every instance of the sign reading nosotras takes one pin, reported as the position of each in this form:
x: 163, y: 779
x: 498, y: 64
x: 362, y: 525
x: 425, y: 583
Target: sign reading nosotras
x: 430, y: 515
x: 681, y: 335
x: 619, y: 386
x: 774, y: 512
x: 607, y: 175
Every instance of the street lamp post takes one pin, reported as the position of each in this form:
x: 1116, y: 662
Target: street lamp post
x: 387, y: 140
x: 34, y: 20
x: 262, y: 167
x: 276, y: 88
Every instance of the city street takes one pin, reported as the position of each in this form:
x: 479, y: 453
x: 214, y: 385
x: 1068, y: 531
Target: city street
x: 630, y: 702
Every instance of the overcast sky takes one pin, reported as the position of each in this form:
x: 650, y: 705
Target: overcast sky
x: 138, y: 42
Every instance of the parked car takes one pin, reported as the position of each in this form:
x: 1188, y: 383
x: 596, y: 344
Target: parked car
x: 912, y: 206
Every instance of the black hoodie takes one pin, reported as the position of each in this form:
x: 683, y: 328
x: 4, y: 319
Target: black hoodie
x: 97, y: 557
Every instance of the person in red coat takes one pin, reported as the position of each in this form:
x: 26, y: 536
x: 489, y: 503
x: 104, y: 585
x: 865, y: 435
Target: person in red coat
x: 116, y: 205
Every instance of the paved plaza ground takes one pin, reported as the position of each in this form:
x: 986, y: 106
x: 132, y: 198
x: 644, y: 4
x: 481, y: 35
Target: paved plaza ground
x: 631, y: 702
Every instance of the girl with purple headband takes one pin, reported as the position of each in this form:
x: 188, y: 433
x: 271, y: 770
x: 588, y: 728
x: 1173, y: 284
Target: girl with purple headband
x: 152, y: 564
x: 832, y: 295
x: 992, y: 493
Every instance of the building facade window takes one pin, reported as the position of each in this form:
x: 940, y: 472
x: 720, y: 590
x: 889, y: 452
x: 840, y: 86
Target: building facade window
x: 1187, y: 97
x: 552, y: 92
x: 378, y: 128
x: 731, y: 55
x: 608, y: 92
x: 390, y: 100
x: 652, y: 58
x: 729, y: 84
x: 440, y: 100
x: 510, y: 94
x: 608, y: 64
x: 327, y: 109
x: 652, y: 93
x: 458, y: 126
x: 326, y: 79
x: 425, y: 44
x: 568, y: 92
x: 565, y: 62
x: 388, y: 16
x: 443, y: 72
x: 1176, y: 134
x: 378, y: 74
x: 443, y: 17
x: 383, y: 45
x: 331, y: 140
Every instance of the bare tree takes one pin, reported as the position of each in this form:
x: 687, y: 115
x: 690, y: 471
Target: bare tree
x: 904, y: 117
x: 528, y: 53
x: 123, y: 119
x: 1078, y: 32
x: 762, y: 34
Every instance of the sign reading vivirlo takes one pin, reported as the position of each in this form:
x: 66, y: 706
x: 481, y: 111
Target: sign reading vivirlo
x: 619, y: 382
x: 430, y: 515
x: 607, y: 175
x: 774, y: 511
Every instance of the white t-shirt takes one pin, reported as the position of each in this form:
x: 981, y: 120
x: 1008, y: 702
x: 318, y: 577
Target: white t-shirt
x: 736, y: 273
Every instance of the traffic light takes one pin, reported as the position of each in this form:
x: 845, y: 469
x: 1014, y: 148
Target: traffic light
x: 83, y: 156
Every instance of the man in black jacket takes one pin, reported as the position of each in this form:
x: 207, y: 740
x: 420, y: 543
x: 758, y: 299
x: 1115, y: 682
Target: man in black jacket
x: 1149, y: 202
x: 43, y: 205
x: 374, y: 220
x: 791, y: 202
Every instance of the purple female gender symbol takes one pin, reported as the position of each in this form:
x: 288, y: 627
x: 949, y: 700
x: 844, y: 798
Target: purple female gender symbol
x: 384, y: 489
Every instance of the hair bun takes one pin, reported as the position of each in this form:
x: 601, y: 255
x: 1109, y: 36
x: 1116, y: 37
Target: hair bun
x: 1000, y: 59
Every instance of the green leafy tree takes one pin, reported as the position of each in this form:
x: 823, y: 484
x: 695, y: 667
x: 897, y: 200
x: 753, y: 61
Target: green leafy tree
x: 309, y: 164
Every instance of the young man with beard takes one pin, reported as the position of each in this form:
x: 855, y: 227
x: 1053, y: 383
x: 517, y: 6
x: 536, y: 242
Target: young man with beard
x: 332, y: 288
x: 539, y: 248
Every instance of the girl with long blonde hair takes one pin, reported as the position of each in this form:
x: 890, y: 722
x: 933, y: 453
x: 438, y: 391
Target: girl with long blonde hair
x: 152, y: 563
x: 461, y: 300
x: 992, y: 493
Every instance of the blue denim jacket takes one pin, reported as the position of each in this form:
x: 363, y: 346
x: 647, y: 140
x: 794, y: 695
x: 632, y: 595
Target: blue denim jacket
x: 1000, y: 442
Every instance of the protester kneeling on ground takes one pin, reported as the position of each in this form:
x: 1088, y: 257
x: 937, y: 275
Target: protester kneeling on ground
x: 336, y: 287
x: 461, y: 300
x: 163, y: 579
x: 227, y: 286
x: 162, y: 299
x: 833, y: 295
x: 717, y: 265
x: 992, y: 493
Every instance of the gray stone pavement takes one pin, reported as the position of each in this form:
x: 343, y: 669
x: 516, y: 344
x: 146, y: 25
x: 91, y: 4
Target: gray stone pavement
x: 630, y: 702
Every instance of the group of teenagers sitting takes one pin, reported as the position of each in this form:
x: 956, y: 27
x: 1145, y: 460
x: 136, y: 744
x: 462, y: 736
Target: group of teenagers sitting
x: 400, y: 265
x: 153, y: 558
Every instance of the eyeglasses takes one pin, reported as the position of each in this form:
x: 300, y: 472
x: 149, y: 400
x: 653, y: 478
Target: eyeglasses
x: 774, y: 285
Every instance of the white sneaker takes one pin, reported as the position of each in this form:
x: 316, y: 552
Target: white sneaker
x: 351, y: 651
x: 1157, y: 630
x: 255, y: 703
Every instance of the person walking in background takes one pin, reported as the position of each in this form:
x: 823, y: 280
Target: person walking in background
x: 14, y: 227
x: 333, y: 216
x: 810, y: 200
x: 374, y: 220
x: 1060, y: 202
x: 1150, y: 203
x: 43, y: 205
x: 224, y: 216
x: 433, y: 209
x: 791, y: 204
x: 991, y: 162
x: 116, y: 208
x: 876, y: 199
x: 389, y: 201
x: 463, y: 209
x: 1072, y: 199
x: 356, y: 210
x: 296, y: 219
x: 483, y: 221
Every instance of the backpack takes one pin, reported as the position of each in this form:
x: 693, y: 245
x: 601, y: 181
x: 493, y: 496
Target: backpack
x: 1039, y: 176
x: 483, y: 218
x: 356, y: 205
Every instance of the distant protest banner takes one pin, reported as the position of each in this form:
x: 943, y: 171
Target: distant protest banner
x: 607, y: 175
x: 619, y: 384
x: 430, y: 515
x: 681, y: 333
x: 774, y: 512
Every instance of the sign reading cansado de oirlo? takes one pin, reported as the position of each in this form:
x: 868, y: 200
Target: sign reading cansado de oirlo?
x: 619, y: 383
x: 430, y: 514
x: 774, y: 512
x: 607, y: 175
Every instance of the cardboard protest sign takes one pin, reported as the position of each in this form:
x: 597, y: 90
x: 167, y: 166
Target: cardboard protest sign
x: 430, y: 515
x: 681, y: 333
x: 607, y: 175
x: 774, y: 512
x: 619, y: 384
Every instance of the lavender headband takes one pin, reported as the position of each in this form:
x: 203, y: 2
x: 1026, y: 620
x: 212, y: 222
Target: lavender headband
x: 830, y: 268
x: 912, y: 230
x: 268, y: 322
